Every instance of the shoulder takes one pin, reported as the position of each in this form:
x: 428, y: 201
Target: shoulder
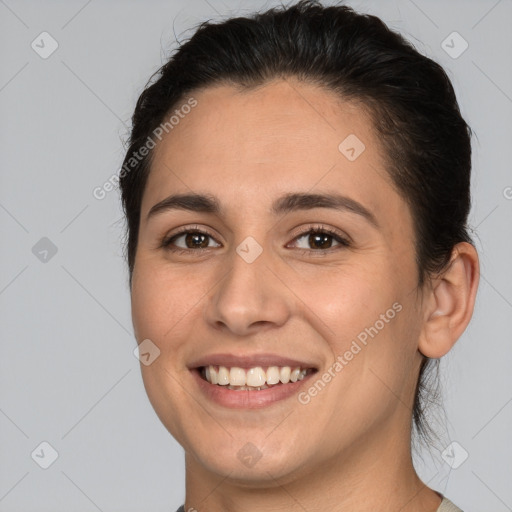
x: 446, y: 506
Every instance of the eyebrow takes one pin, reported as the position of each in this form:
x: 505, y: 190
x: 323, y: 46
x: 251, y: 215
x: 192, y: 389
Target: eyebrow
x: 205, y: 203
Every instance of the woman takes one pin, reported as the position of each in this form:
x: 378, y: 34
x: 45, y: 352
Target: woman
x: 296, y: 191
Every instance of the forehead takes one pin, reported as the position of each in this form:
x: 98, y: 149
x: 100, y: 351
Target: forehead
x: 284, y: 119
x: 285, y: 136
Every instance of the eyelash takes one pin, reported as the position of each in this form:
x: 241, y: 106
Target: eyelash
x: 318, y: 229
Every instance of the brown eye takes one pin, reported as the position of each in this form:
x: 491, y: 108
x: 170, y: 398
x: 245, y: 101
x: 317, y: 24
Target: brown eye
x: 188, y: 240
x: 195, y: 240
x: 320, y: 239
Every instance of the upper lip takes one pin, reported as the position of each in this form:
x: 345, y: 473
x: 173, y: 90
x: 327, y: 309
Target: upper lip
x: 249, y: 361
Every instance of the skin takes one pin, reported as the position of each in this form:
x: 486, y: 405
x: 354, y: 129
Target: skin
x: 348, y: 449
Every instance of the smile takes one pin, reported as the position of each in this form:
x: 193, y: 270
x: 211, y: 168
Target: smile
x: 252, y: 379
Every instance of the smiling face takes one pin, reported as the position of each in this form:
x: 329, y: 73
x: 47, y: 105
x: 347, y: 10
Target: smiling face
x: 254, y: 281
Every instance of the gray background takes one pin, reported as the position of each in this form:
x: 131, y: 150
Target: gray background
x: 68, y: 373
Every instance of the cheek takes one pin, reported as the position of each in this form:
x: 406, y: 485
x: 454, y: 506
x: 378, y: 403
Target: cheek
x: 361, y: 314
x: 158, y: 300
x: 346, y: 300
x: 161, y: 302
x: 144, y: 299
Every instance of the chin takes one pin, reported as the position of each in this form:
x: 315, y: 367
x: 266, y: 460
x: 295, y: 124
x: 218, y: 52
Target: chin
x: 249, y: 466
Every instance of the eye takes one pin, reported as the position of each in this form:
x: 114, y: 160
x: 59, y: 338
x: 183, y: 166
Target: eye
x: 188, y: 240
x: 317, y: 239
x: 320, y: 239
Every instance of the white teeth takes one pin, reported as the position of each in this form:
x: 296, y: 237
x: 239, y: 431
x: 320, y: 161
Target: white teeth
x: 272, y: 375
x: 284, y: 374
x: 294, y: 376
x: 237, y: 376
x: 222, y: 376
x: 214, y: 377
x: 254, y: 378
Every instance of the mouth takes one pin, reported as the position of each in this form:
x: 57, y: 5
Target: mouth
x: 250, y: 381
x: 256, y: 378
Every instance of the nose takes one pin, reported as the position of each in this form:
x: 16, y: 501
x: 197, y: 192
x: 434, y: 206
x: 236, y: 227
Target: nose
x: 249, y: 298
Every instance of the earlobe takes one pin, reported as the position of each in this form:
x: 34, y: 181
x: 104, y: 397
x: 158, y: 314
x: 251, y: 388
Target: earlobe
x: 450, y: 302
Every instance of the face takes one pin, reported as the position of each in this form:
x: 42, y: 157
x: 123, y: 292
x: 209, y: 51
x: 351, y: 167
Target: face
x: 308, y: 261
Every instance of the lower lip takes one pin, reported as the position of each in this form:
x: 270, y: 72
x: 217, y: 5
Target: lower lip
x: 245, y: 399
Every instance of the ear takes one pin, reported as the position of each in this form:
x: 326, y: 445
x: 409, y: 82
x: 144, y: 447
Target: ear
x: 449, y: 302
